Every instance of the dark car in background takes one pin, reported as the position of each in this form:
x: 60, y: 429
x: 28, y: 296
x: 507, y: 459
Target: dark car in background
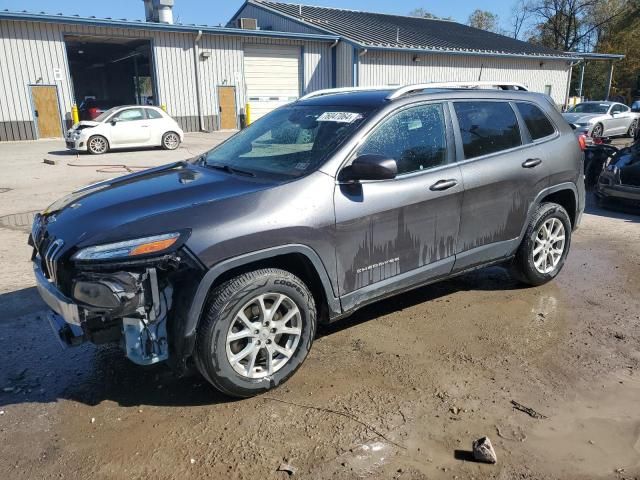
x: 231, y: 260
x: 620, y: 177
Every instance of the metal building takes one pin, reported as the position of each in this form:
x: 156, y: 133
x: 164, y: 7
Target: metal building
x: 380, y: 49
x: 268, y: 54
x: 203, y: 75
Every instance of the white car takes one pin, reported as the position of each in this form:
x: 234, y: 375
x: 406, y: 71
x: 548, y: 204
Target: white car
x: 603, y: 119
x: 130, y: 126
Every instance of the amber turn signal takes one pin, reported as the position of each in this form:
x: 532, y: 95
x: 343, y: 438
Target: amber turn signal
x: 153, y: 247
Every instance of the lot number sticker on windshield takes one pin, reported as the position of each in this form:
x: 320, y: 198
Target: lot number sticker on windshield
x: 342, y: 117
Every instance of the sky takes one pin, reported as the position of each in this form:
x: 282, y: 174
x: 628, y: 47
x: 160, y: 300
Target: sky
x: 214, y: 12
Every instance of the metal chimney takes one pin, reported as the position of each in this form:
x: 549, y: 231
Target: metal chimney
x: 148, y: 10
x: 164, y: 10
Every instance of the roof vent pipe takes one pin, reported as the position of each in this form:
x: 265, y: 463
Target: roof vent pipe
x: 164, y: 10
x: 148, y: 10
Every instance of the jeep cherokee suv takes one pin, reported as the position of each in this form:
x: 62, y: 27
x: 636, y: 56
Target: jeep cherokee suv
x: 230, y: 260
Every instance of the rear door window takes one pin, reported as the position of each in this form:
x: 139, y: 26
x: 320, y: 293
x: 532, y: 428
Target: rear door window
x: 536, y: 121
x: 487, y: 127
x: 416, y: 138
x: 153, y: 114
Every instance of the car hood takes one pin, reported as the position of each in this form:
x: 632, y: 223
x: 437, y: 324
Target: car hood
x: 85, y: 124
x: 581, y: 117
x: 144, y: 203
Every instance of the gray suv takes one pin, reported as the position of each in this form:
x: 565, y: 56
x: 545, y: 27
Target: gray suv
x: 229, y: 261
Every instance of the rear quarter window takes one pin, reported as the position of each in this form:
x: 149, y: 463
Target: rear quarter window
x: 487, y: 127
x: 536, y: 121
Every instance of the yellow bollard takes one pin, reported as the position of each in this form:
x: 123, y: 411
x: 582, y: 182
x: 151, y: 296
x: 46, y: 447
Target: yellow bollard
x: 247, y: 113
x: 163, y: 107
x: 75, y: 114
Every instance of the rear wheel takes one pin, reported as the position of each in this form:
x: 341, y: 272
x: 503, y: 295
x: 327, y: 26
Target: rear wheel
x: 544, y: 249
x: 256, y: 332
x: 597, y: 131
x: 97, y: 145
x: 170, y: 141
x: 633, y: 129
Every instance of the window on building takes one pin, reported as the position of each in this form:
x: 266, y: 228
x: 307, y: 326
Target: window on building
x: 415, y: 138
x: 130, y: 115
x: 487, y: 127
x: 536, y: 121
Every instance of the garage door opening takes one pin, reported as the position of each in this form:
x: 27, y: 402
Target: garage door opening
x: 107, y: 72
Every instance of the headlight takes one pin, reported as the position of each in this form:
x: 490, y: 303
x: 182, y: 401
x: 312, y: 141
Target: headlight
x: 129, y: 248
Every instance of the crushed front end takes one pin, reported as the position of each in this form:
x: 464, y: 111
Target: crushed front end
x: 123, y: 292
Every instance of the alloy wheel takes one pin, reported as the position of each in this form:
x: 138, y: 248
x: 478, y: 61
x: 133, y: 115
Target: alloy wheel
x: 264, y: 335
x: 171, y: 141
x: 549, y: 245
x: 597, y: 131
x: 98, y: 145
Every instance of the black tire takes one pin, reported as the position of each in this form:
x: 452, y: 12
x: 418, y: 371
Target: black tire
x: 166, y: 144
x: 97, y: 145
x: 633, y: 129
x: 597, y: 131
x: 523, y: 266
x: 219, y: 317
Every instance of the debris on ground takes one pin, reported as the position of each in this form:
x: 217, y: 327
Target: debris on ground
x: 1, y: 412
x: 529, y: 411
x: 49, y: 162
x: 483, y: 451
x: 93, y: 420
x: 454, y: 410
x: 193, y: 461
x: 285, y: 467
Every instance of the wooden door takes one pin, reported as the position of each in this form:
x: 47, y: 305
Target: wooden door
x: 46, y: 111
x: 227, y: 104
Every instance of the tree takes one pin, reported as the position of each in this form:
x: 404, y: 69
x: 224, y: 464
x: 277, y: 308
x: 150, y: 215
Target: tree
x: 519, y: 16
x: 484, y: 20
x: 571, y: 24
x: 422, y: 13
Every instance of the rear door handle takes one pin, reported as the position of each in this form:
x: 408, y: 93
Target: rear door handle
x: 531, y: 163
x: 443, y: 185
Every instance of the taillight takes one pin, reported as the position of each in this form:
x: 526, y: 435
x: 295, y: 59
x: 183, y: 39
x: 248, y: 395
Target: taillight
x: 582, y: 141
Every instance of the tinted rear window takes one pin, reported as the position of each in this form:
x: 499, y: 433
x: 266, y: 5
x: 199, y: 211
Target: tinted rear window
x: 537, y: 122
x: 487, y: 127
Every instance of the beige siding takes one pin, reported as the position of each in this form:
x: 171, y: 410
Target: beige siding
x: 399, y: 68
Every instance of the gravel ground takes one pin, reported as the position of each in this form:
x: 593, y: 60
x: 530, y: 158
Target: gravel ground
x: 397, y: 391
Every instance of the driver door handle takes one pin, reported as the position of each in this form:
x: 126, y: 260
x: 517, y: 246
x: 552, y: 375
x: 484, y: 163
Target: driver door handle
x: 443, y: 185
x: 531, y: 163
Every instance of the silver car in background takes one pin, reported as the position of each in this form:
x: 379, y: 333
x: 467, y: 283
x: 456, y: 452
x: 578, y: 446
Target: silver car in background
x: 603, y: 119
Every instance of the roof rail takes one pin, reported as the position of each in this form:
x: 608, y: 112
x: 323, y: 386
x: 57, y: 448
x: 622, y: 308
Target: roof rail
x: 329, y: 91
x: 471, y: 85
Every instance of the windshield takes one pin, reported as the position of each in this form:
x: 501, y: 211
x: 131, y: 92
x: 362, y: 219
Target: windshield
x: 104, y: 115
x: 590, y: 108
x: 289, y: 142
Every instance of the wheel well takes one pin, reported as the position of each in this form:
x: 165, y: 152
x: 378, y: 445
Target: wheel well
x: 565, y: 198
x: 295, y: 263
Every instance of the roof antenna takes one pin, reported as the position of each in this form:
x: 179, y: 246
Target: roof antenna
x: 398, y: 35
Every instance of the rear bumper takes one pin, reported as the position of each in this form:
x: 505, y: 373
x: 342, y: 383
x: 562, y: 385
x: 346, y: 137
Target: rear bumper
x: 55, y: 299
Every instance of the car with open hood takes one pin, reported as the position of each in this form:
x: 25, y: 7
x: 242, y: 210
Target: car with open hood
x: 132, y: 126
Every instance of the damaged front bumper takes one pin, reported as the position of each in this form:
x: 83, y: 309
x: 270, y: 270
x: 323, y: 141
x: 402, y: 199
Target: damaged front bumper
x: 123, y: 306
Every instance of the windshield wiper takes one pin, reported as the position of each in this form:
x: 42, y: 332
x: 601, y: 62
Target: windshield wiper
x: 229, y: 169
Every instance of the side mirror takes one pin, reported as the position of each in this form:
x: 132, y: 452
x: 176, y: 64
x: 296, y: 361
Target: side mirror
x: 114, y: 121
x: 370, y: 167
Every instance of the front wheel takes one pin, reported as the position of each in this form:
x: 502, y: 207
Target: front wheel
x: 597, y: 131
x: 256, y: 332
x: 170, y: 141
x: 97, y: 145
x: 544, y: 249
